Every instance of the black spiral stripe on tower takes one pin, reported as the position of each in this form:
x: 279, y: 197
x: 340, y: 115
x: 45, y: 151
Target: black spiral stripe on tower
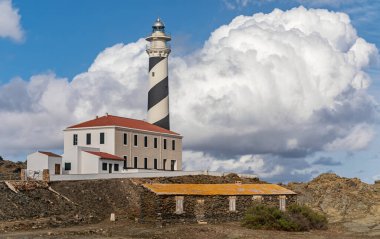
x: 163, y: 123
x: 158, y: 92
x: 154, y: 61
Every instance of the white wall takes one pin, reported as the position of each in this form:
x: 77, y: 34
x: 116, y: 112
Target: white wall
x: 71, y: 153
x: 113, y: 162
x: 89, y: 163
x: 37, y: 162
x: 52, y: 161
x: 140, y: 173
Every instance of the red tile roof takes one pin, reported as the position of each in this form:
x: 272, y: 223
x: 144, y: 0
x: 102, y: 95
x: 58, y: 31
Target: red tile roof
x: 50, y: 154
x: 111, y: 120
x: 104, y: 155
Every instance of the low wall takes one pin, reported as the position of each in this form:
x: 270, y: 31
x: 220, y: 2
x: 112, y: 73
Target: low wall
x: 139, y: 173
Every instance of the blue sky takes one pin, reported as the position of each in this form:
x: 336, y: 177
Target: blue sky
x: 64, y: 38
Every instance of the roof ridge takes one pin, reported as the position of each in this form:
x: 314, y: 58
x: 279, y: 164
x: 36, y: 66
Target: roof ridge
x: 114, y: 120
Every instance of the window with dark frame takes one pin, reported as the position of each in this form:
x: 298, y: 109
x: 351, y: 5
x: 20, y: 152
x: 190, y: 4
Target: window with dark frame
x: 145, y: 163
x: 155, y: 143
x: 125, y: 161
x: 152, y: 73
x: 88, y: 139
x: 164, y: 143
x: 104, y: 166
x: 146, y: 141
x: 116, y: 167
x: 135, y: 140
x: 75, y: 139
x: 101, y: 138
x: 135, y: 162
x: 173, y: 144
x: 67, y: 166
x: 125, y: 139
x: 155, y: 163
x: 164, y: 165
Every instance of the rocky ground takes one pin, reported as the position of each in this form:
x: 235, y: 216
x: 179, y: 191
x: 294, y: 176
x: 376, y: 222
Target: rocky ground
x: 10, y: 169
x: 354, y: 204
x: 130, y: 229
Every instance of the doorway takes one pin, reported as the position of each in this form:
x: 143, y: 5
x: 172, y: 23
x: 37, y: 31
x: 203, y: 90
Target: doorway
x: 172, y: 165
x: 57, y: 169
x: 110, y: 168
x: 199, y: 209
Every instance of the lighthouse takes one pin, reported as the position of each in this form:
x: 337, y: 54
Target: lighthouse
x: 158, y: 96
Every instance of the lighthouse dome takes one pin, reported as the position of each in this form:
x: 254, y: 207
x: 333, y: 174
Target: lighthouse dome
x: 158, y: 25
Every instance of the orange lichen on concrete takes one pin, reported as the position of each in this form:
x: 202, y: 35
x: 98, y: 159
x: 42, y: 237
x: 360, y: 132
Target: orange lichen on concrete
x: 218, y: 189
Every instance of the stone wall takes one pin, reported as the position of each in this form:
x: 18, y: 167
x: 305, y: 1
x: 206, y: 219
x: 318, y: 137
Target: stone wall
x: 209, y: 208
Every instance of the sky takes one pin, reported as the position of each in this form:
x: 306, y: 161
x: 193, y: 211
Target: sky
x: 285, y: 90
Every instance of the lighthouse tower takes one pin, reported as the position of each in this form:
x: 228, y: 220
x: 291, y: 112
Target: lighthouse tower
x: 158, y: 95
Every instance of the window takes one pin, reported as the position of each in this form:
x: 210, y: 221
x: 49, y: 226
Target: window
x: 173, y: 144
x: 145, y: 163
x: 164, y: 165
x: 155, y: 143
x: 232, y: 203
x: 101, y: 138
x: 155, y: 163
x: 146, y: 141
x: 164, y: 143
x: 125, y: 161
x: 116, y: 167
x: 125, y: 139
x: 179, y: 204
x: 135, y: 162
x: 75, y: 139
x: 67, y: 166
x: 282, y: 203
x: 257, y: 198
x: 88, y: 139
x: 152, y: 73
x: 135, y: 140
x: 104, y: 166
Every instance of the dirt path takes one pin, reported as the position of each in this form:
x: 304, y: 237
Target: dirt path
x: 129, y: 229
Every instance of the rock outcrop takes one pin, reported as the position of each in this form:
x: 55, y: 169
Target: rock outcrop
x: 344, y: 200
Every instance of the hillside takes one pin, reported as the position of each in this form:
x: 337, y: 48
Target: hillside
x: 10, y: 169
x: 347, y: 202
x: 344, y: 200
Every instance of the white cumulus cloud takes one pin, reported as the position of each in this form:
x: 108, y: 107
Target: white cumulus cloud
x: 10, y: 21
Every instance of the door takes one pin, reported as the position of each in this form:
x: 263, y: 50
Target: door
x: 110, y: 168
x: 57, y: 170
x: 172, y: 165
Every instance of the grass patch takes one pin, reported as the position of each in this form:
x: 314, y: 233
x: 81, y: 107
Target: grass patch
x: 296, y: 218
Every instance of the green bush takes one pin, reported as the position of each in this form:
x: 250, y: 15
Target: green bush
x: 313, y: 219
x: 296, y: 218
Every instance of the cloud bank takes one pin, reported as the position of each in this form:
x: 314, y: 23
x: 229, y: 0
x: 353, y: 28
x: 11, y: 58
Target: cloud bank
x: 264, y: 92
x: 10, y: 21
